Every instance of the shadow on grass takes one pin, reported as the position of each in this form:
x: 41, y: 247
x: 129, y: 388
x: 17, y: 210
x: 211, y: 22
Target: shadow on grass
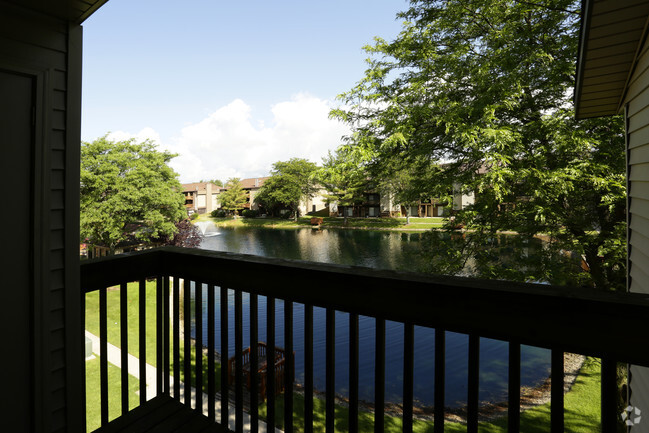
x: 581, y: 411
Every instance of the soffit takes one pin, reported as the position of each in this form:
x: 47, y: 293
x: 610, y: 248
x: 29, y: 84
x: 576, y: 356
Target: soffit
x: 75, y: 11
x: 611, y: 34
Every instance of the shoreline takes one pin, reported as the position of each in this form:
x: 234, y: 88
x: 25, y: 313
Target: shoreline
x: 291, y: 225
x: 531, y: 397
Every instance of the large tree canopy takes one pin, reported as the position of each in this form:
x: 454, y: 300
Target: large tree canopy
x: 480, y: 91
x: 234, y: 197
x: 128, y: 192
x: 344, y: 176
x: 289, y: 183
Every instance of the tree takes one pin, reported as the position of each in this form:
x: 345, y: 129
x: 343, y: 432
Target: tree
x: 216, y: 182
x: 234, y: 197
x: 128, y: 192
x: 405, y: 181
x: 290, y: 182
x: 483, y: 89
x: 187, y: 235
x: 344, y: 178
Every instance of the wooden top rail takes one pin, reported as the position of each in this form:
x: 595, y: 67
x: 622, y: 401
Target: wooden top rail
x: 602, y: 324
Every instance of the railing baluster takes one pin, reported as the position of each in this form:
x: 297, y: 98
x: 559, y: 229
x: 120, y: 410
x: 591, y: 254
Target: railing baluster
x: 270, y: 371
x: 514, y: 393
x: 330, y: 418
x: 211, y: 386
x: 408, y: 375
x: 440, y: 376
x: 609, y: 394
x: 103, y: 349
x: 142, y: 340
x: 198, y: 315
x: 238, y: 348
x: 254, y: 361
x: 123, y: 343
x: 225, y: 376
x: 308, y: 368
x: 289, y: 369
x: 165, y: 324
x: 556, y: 391
x: 176, y: 330
x: 159, y: 309
x: 379, y: 377
x: 353, y: 373
x: 187, y: 351
x: 474, y: 383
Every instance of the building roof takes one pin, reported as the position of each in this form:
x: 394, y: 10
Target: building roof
x: 612, y: 32
x: 199, y: 186
x: 75, y: 11
x: 253, y: 182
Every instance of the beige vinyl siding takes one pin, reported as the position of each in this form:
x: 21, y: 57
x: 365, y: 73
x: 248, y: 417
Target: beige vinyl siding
x: 638, y: 139
x: 38, y: 43
x: 609, y: 50
x: 637, y: 100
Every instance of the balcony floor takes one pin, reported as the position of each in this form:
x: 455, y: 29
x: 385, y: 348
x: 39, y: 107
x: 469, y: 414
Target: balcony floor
x: 162, y: 415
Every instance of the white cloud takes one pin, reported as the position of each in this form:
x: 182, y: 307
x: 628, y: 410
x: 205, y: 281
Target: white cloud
x: 231, y: 143
x: 146, y: 133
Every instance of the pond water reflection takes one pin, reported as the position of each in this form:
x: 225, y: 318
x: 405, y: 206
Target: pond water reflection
x: 375, y: 249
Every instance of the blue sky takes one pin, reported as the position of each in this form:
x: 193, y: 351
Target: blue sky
x: 230, y: 86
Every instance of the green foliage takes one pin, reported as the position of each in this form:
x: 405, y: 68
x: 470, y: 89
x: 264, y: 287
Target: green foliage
x: 194, y: 216
x: 128, y: 193
x: 345, y: 178
x: 214, y: 181
x: 234, y: 197
x: 217, y: 213
x: 290, y: 182
x: 249, y: 213
x: 478, y: 94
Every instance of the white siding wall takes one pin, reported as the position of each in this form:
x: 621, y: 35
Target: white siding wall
x: 638, y: 147
x: 201, y: 200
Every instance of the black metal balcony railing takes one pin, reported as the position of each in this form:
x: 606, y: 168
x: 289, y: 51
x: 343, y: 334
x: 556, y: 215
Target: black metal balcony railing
x: 610, y: 326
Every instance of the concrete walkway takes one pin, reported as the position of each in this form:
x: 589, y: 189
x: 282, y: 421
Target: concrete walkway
x: 115, y: 358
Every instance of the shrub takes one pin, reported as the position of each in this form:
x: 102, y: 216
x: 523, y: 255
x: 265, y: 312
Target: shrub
x: 249, y: 213
x: 193, y: 216
x: 217, y: 213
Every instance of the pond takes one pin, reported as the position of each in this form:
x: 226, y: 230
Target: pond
x: 376, y: 249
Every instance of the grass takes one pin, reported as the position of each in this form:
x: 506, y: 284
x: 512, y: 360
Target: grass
x: 582, y: 403
x: 93, y: 407
x: 330, y: 222
x: 581, y: 408
x: 114, y: 326
x: 114, y: 323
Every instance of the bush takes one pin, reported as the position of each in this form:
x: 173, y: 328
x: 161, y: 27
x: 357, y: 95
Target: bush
x: 249, y: 213
x: 193, y: 216
x: 217, y: 213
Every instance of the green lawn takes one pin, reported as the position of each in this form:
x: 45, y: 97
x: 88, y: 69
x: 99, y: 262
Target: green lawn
x: 93, y: 407
x: 114, y: 328
x: 582, y: 405
x: 114, y: 324
x: 330, y: 222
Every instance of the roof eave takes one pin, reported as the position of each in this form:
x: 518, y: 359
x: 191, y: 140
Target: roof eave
x: 584, y: 30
